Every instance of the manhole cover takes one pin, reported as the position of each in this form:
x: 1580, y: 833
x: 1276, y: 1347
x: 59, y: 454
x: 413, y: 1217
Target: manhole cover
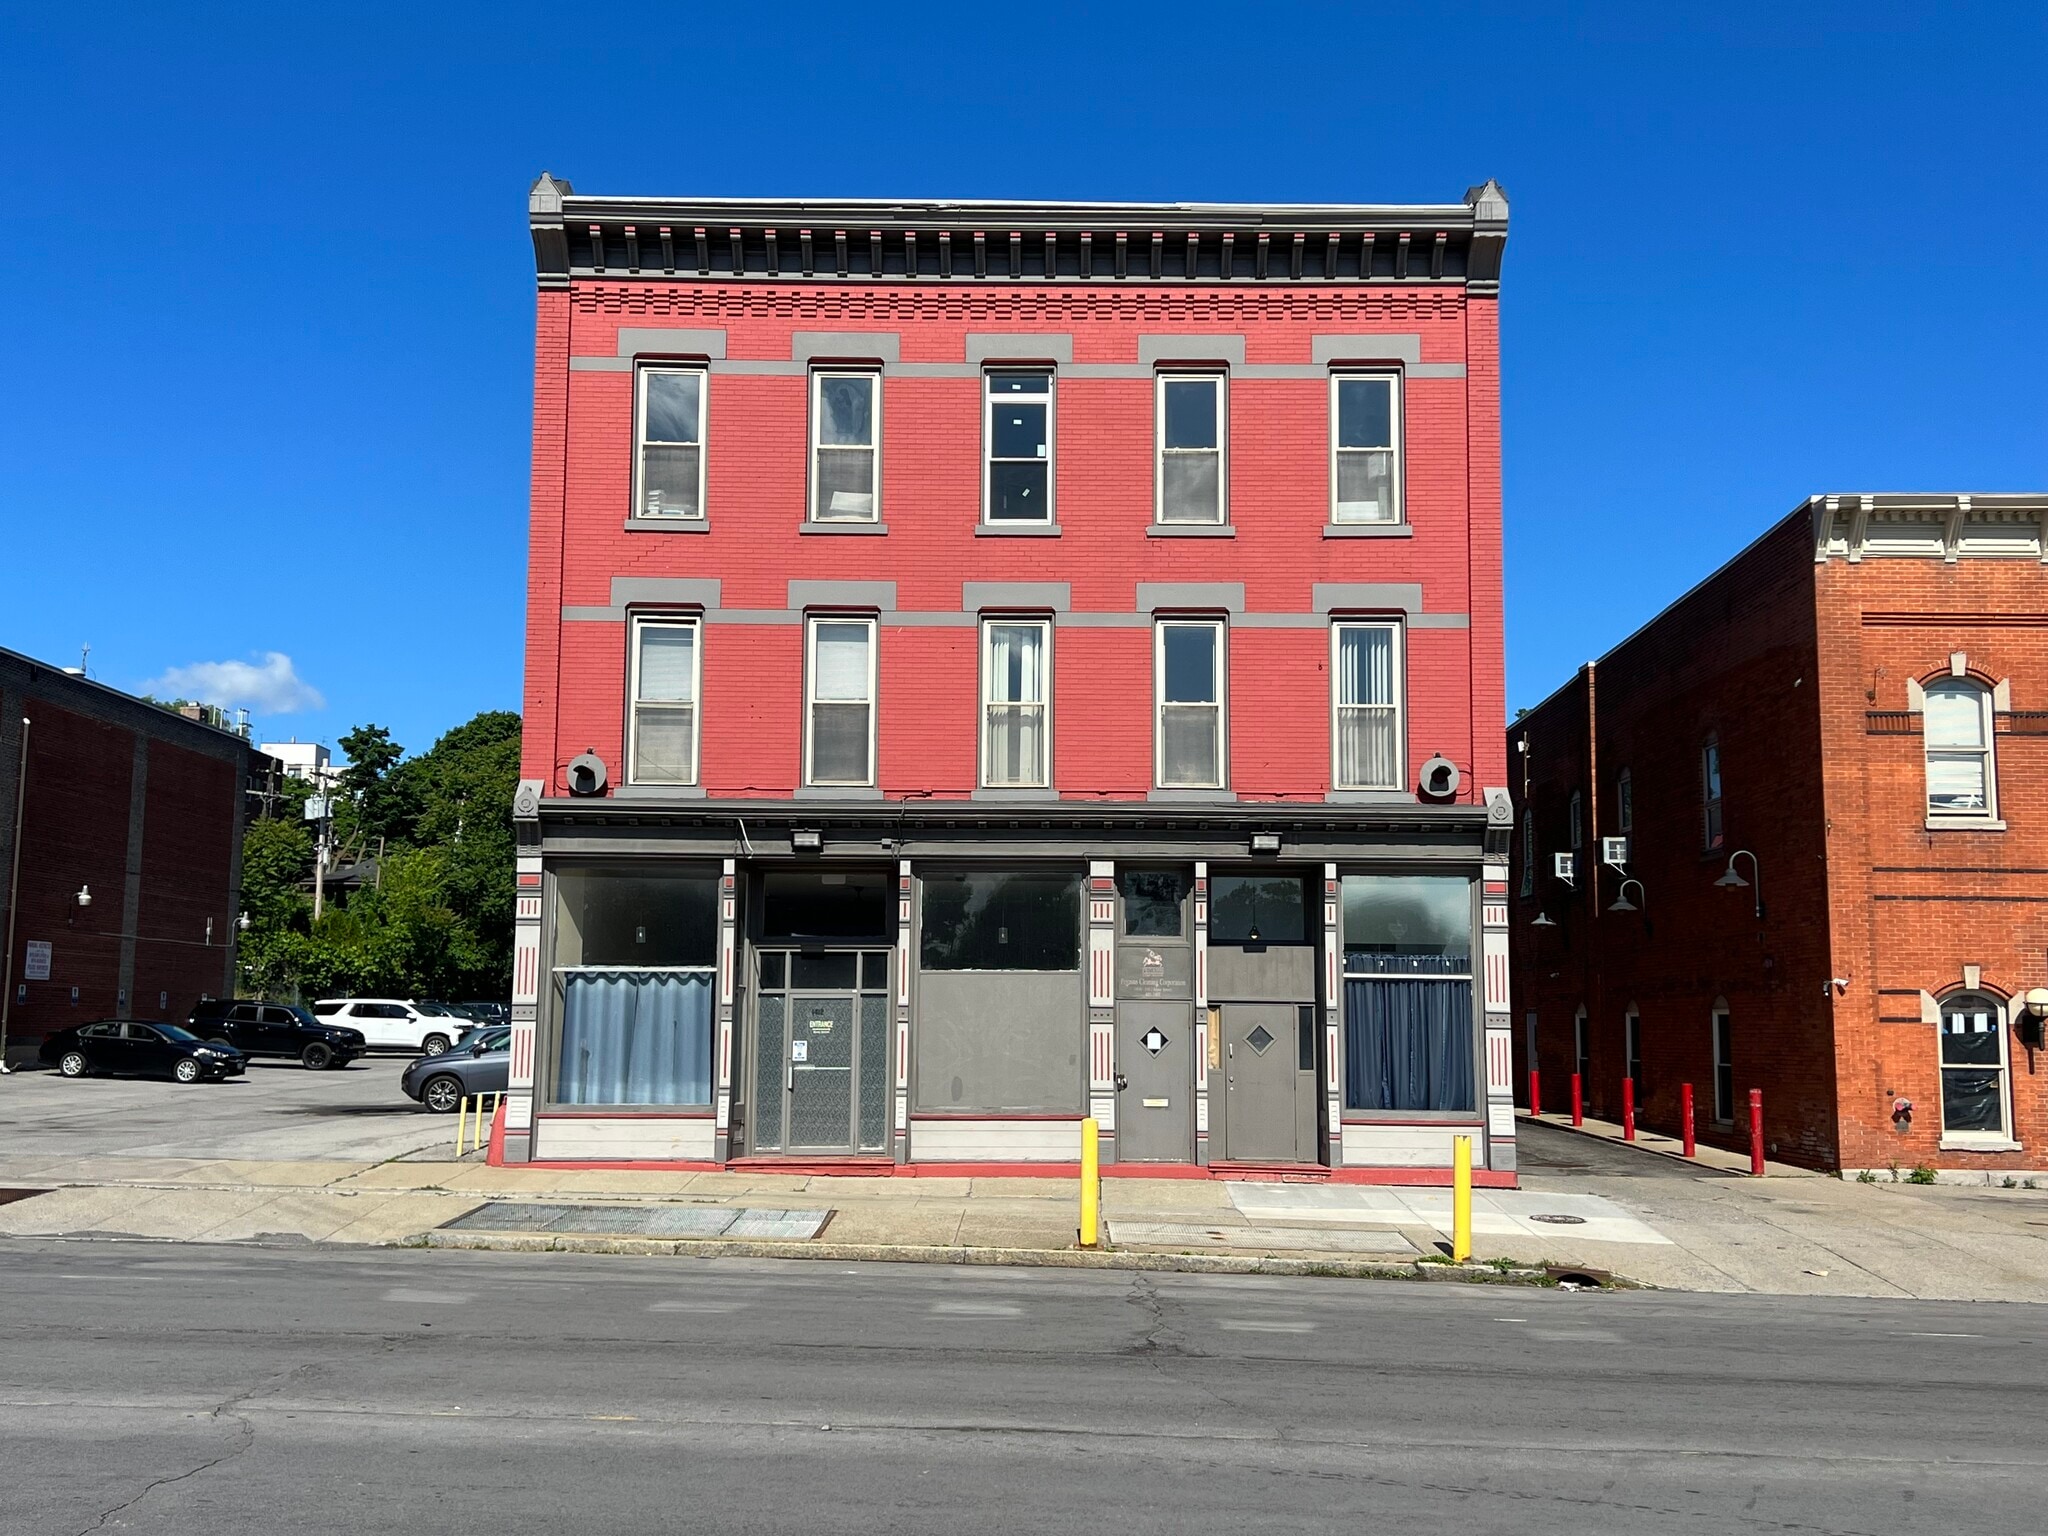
x: 1258, y: 1040
x: 1559, y: 1221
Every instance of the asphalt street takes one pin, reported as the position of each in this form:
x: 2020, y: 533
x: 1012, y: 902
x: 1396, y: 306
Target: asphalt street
x: 224, y: 1390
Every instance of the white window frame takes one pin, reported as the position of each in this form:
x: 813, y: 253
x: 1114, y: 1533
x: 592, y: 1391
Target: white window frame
x: 1713, y: 796
x: 1160, y: 452
x: 1721, y: 1045
x: 1398, y: 708
x: 640, y: 377
x: 989, y: 702
x: 873, y: 377
x: 641, y: 623
x: 1221, y: 676
x: 811, y: 700
x: 1987, y: 717
x: 1394, y: 449
x: 2002, y: 1138
x: 988, y: 443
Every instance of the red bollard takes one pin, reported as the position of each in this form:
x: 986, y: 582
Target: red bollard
x: 1628, y: 1109
x: 1685, y: 1111
x: 1578, y: 1102
x: 1756, y: 1133
x: 1535, y: 1092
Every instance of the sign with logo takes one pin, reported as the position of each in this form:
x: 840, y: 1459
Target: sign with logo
x: 38, y: 966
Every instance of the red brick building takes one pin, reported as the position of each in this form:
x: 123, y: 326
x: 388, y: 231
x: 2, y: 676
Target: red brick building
x: 990, y: 664
x: 129, y: 860
x: 1851, y: 718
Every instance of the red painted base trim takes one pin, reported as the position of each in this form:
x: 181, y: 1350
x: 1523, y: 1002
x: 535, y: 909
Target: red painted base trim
x: 1271, y: 1173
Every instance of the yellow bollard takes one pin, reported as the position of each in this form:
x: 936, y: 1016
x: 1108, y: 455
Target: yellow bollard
x: 461, y: 1113
x: 1091, y: 1184
x: 1461, y: 1199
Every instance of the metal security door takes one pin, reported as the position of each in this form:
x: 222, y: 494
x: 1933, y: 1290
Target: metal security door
x: 821, y: 1055
x: 1155, y: 1098
x: 1261, y: 1083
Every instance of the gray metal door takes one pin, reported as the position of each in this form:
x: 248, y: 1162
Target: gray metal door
x: 821, y: 1054
x: 1264, y: 1080
x: 1155, y: 1082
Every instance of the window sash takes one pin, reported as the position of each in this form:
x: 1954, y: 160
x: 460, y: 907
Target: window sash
x: 1956, y: 728
x: 1710, y: 795
x: 1528, y: 853
x: 1016, y: 677
x: 846, y: 477
x: 1366, y: 682
x: 663, y: 718
x: 1001, y: 473
x: 1189, y: 740
x: 839, y: 704
x: 666, y: 468
x: 1191, y: 484
x: 1724, y: 1068
x: 1365, y: 479
x: 1970, y: 1071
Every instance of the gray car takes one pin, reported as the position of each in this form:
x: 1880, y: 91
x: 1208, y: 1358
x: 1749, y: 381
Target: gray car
x: 482, y: 1064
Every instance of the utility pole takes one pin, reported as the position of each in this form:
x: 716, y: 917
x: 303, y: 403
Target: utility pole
x: 316, y: 811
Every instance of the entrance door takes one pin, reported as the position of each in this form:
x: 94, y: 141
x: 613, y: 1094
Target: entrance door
x: 821, y: 1041
x: 821, y: 1054
x: 1155, y: 1085
x: 1269, y: 1080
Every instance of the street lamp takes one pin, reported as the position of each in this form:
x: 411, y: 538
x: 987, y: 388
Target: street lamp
x: 1621, y: 901
x: 1541, y: 920
x: 1733, y: 881
x: 242, y: 922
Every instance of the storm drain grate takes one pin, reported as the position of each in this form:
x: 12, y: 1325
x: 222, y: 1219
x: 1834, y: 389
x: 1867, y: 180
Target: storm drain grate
x: 9, y: 1196
x: 642, y: 1220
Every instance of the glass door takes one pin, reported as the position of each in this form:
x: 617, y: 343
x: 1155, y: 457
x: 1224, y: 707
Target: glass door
x: 821, y: 1052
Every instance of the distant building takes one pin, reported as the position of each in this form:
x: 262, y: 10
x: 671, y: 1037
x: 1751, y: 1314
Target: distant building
x: 306, y: 761
x: 131, y: 818
x: 1827, y: 766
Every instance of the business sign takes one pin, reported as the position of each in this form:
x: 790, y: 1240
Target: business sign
x: 38, y: 966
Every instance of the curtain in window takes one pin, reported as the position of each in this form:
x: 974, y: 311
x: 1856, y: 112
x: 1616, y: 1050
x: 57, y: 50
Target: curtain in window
x: 664, y: 733
x: 635, y: 1037
x: 1407, y: 1044
x: 1367, y: 720
x: 1016, y: 711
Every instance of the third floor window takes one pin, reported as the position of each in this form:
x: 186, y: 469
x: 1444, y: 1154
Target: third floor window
x: 1017, y: 477
x: 1192, y: 477
x: 1365, y: 448
x: 846, y: 436
x: 669, y: 468
x: 1960, y: 784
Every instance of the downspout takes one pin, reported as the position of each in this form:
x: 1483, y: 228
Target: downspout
x: 13, y: 894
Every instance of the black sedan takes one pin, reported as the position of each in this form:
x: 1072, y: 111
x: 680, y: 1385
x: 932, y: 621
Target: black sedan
x: 126, y: 1048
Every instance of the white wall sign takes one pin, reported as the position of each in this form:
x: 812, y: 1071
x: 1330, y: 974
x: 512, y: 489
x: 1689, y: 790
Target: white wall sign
x: 38, y: 966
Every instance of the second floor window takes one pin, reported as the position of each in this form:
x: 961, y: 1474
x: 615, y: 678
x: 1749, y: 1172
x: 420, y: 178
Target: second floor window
x: 1365, y: 448
x: 1017, y: 478
x: 846, y: 422
x: 839, y: 739
x: 1366, y: 674
x: 1711, y: 836
x: 669, y: 474
x: 1625, y: 802
x: 663, y: 728
x: 1015, y: 690
x: 1189, y: 675
x: 1958, y: 726
x: 1191, y: 476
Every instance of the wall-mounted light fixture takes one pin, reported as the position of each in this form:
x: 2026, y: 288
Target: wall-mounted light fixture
x: 1621, y: 901
x: 806, y: 840
x: 1541, y: 920
x: 1265, y: 842
x: 1733, y: 881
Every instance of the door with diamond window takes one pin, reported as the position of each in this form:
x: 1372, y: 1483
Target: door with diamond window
x: 1155, y: 1082
x: 1268, y: 1081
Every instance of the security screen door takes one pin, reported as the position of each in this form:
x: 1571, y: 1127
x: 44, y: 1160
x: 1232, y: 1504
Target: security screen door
x: 821, y: 1053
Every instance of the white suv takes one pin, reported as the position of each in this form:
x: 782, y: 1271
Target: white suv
x: 391, y: 1025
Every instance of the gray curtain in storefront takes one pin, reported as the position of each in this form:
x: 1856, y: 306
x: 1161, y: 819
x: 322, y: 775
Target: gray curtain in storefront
x: 1407, y: 1043
x: 635, y: 1037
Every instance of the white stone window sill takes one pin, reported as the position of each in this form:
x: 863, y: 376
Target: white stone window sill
x: 1978, y: 1143
x: 1190, y: 531
x: 1368, y: 531
x: 1964, y: 824
x: 668, y: 525
x: 845, y: 527
x: 1017, y: 530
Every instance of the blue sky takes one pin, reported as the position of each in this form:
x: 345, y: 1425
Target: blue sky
x: 267, y: 390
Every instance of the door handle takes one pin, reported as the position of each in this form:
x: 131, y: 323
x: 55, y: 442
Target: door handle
x: 1122, y: 1082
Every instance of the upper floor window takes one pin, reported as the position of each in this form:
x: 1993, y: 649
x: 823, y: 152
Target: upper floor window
x: 1973, y: 1098
x: 1016, y: 694
x: 1188, y: 683
x: 1578, y: 822
x: 1017, y: 477
x: 1365, y: 447
x: 846, y: 429
x: 1191, y: 476
x: 1365, y: 673
x: 1625, y: 803
x: 839, y: 739
x: 1528, y: 853
x: 1960, y: 781
x: 662, y: 732
x: 1710, y: 794
x: 669, y: 469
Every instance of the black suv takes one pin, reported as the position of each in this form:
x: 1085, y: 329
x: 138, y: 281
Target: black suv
x: 277, y: 1029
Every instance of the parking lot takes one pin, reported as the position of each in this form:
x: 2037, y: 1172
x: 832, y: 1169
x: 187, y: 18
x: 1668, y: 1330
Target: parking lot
x: 278, y: 1111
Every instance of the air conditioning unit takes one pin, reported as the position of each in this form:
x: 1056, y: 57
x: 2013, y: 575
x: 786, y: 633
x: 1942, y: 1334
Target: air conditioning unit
x: 1565, y: 867
x: 1614, y: 851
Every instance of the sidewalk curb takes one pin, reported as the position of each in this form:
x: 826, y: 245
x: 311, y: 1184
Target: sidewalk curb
x: 1021, y: 1258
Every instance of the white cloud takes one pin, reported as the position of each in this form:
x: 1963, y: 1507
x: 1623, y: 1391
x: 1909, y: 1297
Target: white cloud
x: 271, y: 687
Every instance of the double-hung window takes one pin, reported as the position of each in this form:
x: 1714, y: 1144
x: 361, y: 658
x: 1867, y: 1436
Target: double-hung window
x: 839, y: 739
x: 1365, y: 447
x: 1017, y: 475
x: 1365, y: 672
x: 1192, y: 474
x: 1016, y: 703
x: 1973, y: 1068
x: 1188, y: 686
x: 669, y: 465
x: 846, y: 437
x: 663, y: 728
x: 1711, y: 832
x: 1960, y: 784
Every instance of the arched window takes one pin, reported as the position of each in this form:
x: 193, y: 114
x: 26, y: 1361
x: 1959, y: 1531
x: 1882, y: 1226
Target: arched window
x: 1710, y: 794
x: 1960, y: 783
x: 1528, y: 853
x: 1973, y: 1069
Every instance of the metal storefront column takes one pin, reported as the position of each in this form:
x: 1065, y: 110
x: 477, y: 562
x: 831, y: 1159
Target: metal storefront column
x: 900, y: 1140
x: 728, y: 956
x: 526, y: 936
x: 1500, y: 1052
x: 1205, y: 1032
x: 1102, y: 1002
x: 1333, y: 1036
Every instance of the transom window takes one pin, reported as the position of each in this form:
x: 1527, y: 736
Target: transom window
x: 1960, y: 782
x: 1017, y: 478
x: 1711, y: 835
x: 669, y: 473
x: 846, y: 428
x: 1365, y: 673
x: 1973, y: 1067
x: 1365, y: 447
x: 839, y: 744
x: 663, y: 730
x: 1188, y: 683
x: 1016, y: 694
x: 1191, y: 476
